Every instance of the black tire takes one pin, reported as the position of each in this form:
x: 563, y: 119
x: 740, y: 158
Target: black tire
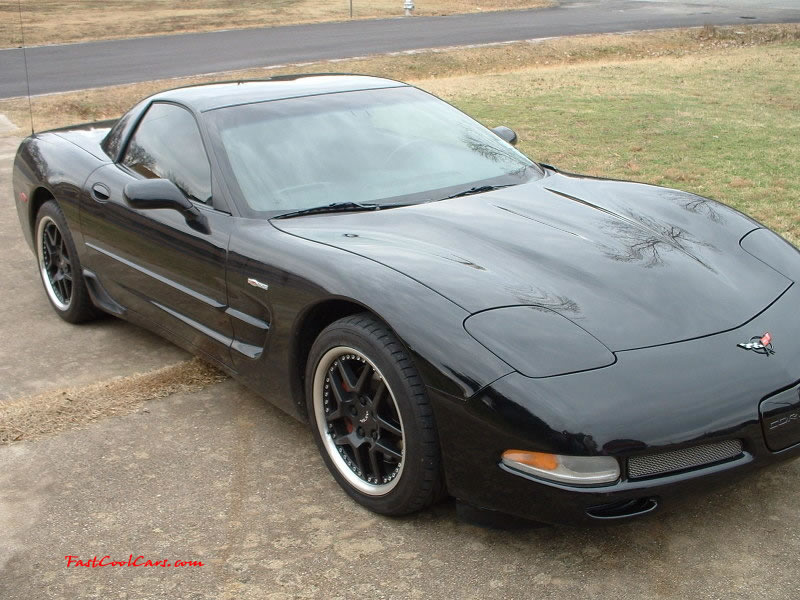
x: 59, y: 266
x: 384, y: 412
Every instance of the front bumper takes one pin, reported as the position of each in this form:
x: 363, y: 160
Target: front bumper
x: 652, y: 400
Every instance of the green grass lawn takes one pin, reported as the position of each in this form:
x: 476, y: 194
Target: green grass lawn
x: 725, y: 125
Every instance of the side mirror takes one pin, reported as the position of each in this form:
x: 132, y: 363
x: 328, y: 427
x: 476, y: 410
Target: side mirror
x: 506, y: 133
x: 156, y: 193
x: 162, y: 193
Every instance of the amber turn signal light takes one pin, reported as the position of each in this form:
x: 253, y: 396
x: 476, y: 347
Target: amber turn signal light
x: 570, y: 470
x: 540, y: 460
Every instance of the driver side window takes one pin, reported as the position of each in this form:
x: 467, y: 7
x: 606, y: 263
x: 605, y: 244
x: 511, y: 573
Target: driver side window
x: 167, y: 144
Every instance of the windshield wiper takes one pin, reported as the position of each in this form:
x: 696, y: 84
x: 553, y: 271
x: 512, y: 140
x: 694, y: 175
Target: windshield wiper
x: 329, y: 208
x: 478, y: 190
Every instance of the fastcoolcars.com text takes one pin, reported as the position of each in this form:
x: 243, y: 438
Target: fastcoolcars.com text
x: 139, y: 561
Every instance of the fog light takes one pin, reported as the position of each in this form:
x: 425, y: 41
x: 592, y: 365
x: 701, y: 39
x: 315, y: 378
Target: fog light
x: 572, y: 470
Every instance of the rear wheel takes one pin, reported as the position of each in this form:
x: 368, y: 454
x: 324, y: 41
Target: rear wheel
x: 59, y: 266
x: 371, y: 418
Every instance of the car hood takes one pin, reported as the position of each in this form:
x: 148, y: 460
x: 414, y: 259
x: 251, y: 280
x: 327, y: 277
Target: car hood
x: 633, y: 264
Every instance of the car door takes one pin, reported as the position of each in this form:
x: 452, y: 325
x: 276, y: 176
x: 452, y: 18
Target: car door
x: 153, y: 261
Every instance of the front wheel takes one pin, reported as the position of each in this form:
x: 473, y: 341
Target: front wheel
x: 371, y: 417
x: 59, y: 266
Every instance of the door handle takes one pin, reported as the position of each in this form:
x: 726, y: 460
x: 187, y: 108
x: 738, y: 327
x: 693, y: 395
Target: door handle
x: 101, y: 192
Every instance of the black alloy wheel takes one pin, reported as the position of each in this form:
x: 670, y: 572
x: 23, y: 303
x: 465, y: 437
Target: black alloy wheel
x: 371, y: 417
x: 55, y: 264
x: 60, y: 267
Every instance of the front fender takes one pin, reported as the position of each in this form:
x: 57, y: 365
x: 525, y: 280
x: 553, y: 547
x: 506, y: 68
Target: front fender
x: 310, y: 273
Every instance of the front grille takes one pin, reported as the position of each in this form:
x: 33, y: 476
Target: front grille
x: 680, y: 460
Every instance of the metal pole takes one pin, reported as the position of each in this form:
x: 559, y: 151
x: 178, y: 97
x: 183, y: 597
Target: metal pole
x: 351, y: 9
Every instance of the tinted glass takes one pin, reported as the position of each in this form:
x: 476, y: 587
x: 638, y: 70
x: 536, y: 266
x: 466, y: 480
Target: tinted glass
x: 112, y: 144
x: 167, y: 144
x: 385, y: 146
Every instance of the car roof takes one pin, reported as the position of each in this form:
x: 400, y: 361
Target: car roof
x: 211, y: 96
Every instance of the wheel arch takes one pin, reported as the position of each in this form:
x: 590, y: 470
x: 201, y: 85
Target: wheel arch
x: 38, y: 197
x: 307, y: 328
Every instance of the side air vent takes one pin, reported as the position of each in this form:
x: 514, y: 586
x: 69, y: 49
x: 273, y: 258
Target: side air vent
x: 663, y: 463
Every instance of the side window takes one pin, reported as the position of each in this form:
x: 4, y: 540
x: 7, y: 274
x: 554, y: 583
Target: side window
x: 167, y: 144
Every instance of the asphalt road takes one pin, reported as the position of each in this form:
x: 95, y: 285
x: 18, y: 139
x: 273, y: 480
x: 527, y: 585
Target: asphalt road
x: 94, y: 64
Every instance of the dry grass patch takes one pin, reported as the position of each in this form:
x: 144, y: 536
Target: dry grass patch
x: 60, y: 21
x: 722, y: 124
x: 58, y: 410
x: 57, y: 110
x: 711, y: 110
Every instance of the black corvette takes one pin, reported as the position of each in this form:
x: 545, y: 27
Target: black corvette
x: 449, y: 316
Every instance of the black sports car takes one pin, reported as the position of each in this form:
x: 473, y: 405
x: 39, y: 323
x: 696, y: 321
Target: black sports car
x: 448, y: 315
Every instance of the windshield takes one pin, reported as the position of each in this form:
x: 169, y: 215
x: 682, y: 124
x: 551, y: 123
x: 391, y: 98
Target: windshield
x: 387, y: 146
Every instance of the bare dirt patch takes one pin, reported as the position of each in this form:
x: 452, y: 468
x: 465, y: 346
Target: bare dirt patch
x: 58, y: 410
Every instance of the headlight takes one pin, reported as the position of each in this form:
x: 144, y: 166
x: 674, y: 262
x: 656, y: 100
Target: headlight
x: 537, y: 341
x: 572, y: 470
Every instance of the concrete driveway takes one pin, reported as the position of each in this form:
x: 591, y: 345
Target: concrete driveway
x: 221, y: 477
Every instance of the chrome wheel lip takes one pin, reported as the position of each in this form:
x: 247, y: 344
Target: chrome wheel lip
x: 48, y: 284
x: 318, y: 396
